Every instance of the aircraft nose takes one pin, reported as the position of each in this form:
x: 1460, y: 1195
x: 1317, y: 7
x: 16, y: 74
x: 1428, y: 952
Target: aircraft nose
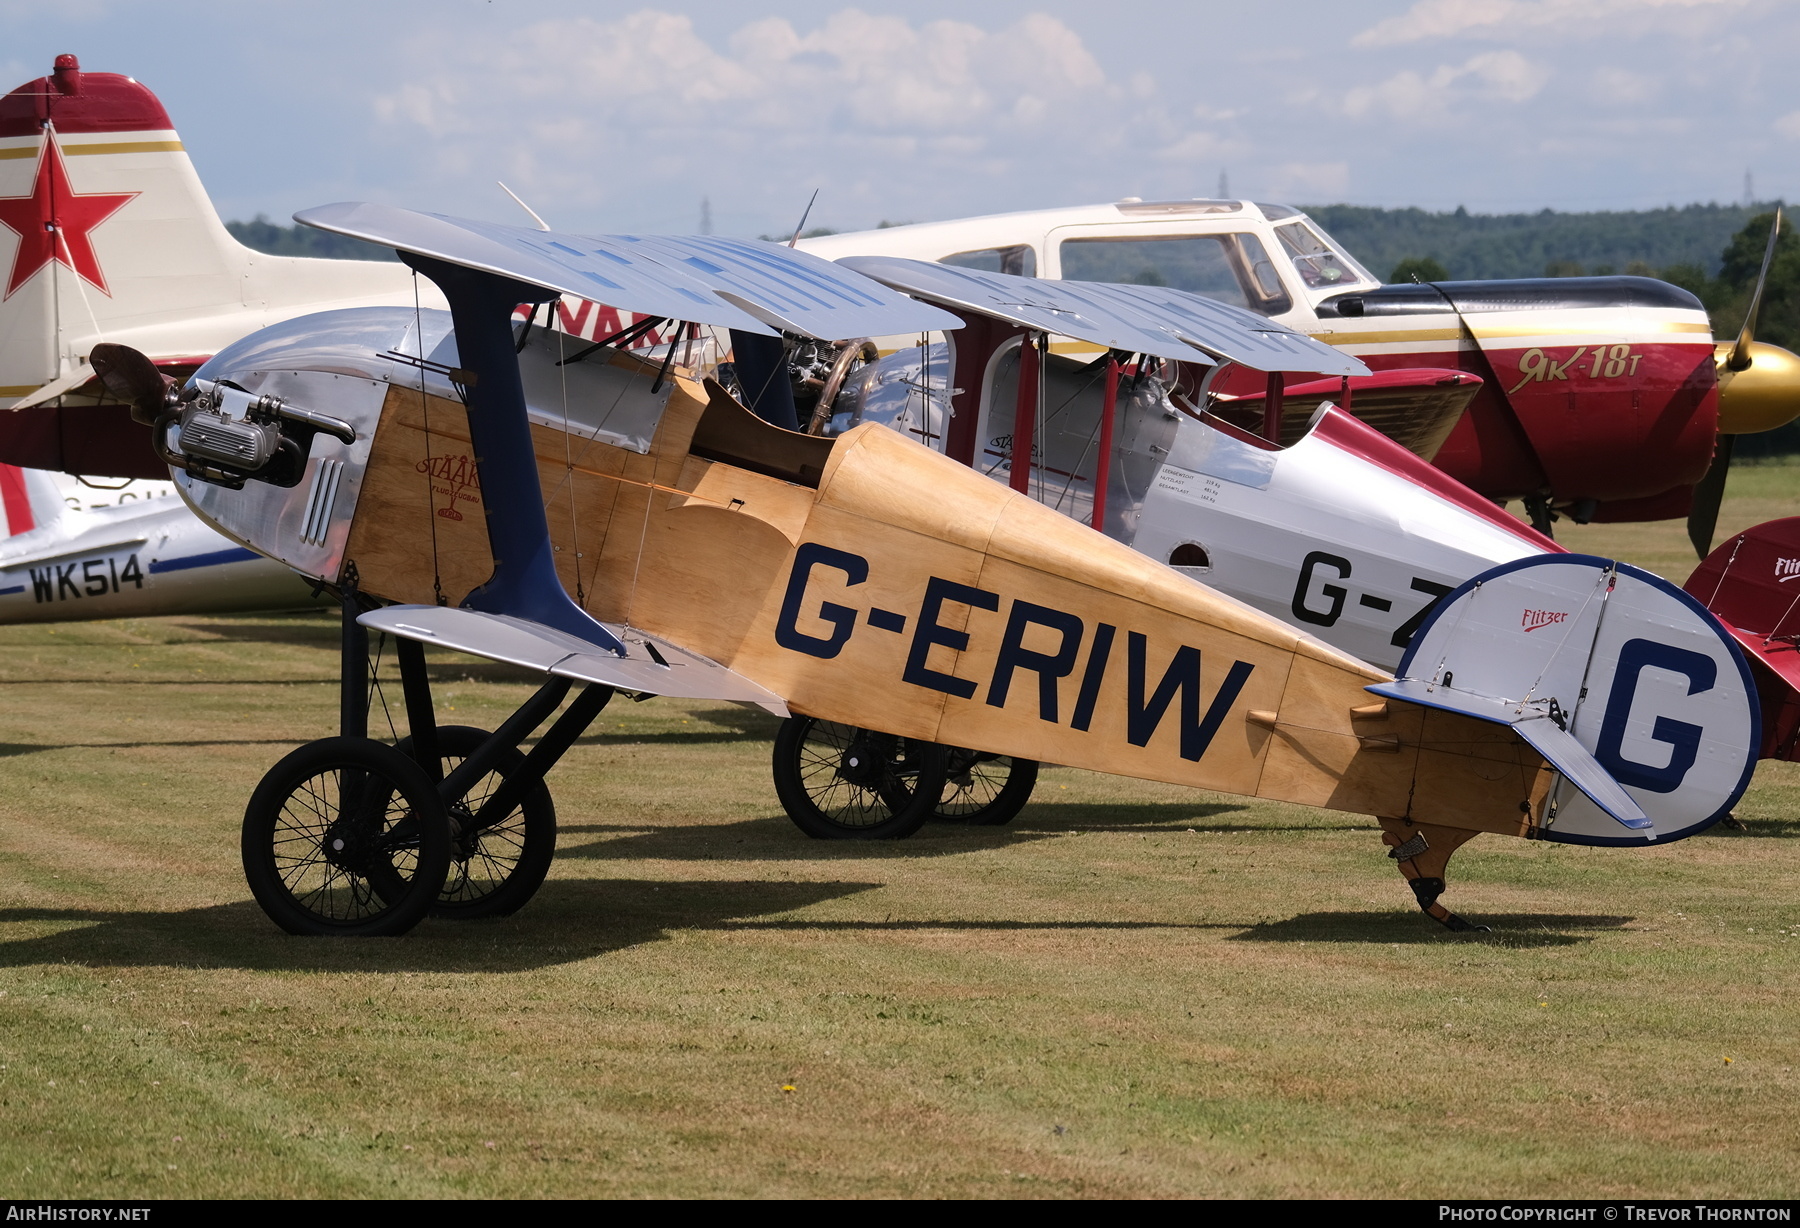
x: 1761, y: 396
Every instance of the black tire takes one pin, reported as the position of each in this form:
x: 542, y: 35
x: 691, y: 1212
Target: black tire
x: 346, y: 836
x: 983, y: 790
x: 494, y: 872
x: 841, y: 783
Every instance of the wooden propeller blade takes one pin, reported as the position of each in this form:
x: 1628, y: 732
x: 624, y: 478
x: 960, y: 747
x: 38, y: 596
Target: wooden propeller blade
x: 1740, y: 353
x: 131, y: 377
x: 1703, y: 517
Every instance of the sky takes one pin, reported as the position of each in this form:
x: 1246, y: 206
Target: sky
x: 617, y: 117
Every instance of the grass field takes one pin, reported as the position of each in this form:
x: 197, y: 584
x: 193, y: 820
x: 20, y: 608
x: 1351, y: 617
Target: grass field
x: 1132, y: 990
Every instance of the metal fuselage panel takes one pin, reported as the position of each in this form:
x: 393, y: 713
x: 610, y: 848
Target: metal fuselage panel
x: 137, y: 561
x: 329, y: 359
x: 1316, y: 537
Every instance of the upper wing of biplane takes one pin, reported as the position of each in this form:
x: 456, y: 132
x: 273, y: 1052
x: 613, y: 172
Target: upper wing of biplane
x: 523, y: 613
x: 752, y: 287
x: 1157, y: 320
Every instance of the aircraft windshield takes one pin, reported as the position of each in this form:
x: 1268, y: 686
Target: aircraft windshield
x: 1020, y: 261
x: 1320, y: 264
x: 1232, y: 268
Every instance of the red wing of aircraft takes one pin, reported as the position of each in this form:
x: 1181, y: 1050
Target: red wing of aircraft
x: 1751, y: 583
x: 639, y: 530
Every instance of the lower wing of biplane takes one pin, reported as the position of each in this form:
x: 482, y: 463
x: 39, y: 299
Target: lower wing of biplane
x: 618, y: 523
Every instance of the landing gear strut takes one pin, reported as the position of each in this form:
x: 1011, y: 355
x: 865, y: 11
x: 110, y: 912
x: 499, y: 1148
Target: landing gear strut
x: 351, y: 836
x: 1542, y: 518
x: 1422, y: 851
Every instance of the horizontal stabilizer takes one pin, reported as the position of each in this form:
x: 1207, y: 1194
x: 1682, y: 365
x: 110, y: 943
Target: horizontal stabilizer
x: 1556, y: 745
x: 654, y: 666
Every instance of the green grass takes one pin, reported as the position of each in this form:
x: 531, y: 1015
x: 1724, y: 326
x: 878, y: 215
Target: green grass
x: 1132, y: 990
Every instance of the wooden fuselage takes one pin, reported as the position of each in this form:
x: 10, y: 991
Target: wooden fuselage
x: 873, y: 582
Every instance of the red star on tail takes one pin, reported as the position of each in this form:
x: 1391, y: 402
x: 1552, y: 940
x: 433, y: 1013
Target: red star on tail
x: 51, y: 212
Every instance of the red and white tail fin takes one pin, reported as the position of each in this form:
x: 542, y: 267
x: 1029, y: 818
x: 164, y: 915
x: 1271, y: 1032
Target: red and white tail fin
x: 29, y: 499
x: 106, y: 234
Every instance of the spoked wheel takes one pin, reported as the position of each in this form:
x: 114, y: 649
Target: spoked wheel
x: 838, y: 782
x: 346, y: 836
x: 497, y: 868
x: 983, y: 790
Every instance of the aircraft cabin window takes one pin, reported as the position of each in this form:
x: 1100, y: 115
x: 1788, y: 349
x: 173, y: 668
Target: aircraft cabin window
x: 1232, y: 268
x: 1319, y: 264
x: 1019, y: 261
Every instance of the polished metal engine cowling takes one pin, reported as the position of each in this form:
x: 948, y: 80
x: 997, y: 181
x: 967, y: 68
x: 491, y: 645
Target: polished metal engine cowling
x: 335, y: 370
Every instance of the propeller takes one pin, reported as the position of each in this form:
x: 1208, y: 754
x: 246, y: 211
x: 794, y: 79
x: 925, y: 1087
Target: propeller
x: 1757, y: 403
x: 131, y: 377
x: 1740, y: 353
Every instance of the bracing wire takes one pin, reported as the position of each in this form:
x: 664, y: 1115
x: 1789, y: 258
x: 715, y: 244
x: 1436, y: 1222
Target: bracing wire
x: 1726, y: 570
x: 1604, y: 584
x: 569, y: 462
x: 1093, y: 433
x: 574, y: 463
x: 375, y: 691
x: 437, y: 578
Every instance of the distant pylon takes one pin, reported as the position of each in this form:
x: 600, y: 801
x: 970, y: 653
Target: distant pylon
x: 1224, y: 185
x: 1749, y: 189
x: 705, y: 216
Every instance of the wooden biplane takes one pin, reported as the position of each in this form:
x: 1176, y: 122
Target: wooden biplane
x: 621, y: 525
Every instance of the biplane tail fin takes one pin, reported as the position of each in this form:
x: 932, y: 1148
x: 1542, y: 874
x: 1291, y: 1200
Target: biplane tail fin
x: 1637, y: 696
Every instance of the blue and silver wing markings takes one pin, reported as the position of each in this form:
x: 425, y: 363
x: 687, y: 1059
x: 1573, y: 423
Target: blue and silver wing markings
x: 571, y: 264
x: 1166, y: 322
x: 730, y: 283
x: 795, y: 290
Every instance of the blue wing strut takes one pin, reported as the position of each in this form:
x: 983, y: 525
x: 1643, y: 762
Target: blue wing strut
x: 524, y: 583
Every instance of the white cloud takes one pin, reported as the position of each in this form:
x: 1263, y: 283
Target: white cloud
x: 1195, y: 147
x: 1306, y: 180
x: 1620, y: 86
x: 1495, y: 76
x: 1789, y: 125
x: 1437, y: 19
x: 560, y: 102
